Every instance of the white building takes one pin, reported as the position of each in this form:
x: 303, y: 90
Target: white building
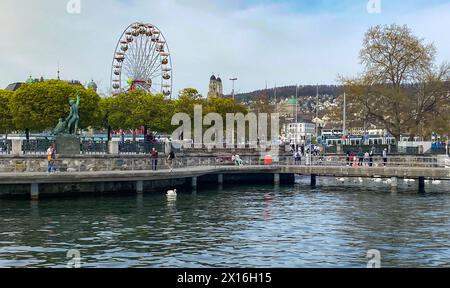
x: 299, y: 132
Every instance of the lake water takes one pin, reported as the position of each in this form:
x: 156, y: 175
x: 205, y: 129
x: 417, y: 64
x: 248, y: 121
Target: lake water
x: 238, y: 226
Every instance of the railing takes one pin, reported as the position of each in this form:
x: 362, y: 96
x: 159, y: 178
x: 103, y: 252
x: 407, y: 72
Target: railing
x: 378, y: 149
x: 145, y: 163
x: 94, y: 147
x: 36, y: 147
x: 5, y: 146
x: 377, y: 161
x: 139, y: 147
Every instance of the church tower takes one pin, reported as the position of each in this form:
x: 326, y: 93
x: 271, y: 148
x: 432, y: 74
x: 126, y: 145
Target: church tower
x: 219, y: 87
x: 215, y: 87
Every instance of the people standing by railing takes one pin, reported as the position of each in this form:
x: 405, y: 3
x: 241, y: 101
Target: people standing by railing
x: 384, y: 155
x: 154, y: 155
x: 366, y: 159
x: 360, y: 157
x: 347, y: 158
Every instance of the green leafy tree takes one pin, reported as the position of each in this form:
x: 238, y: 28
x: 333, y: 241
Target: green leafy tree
x: 6, y: 119
x: 38, y: 106
x: 223, y: 106
x: 137, y: 109
x: 187, y: 99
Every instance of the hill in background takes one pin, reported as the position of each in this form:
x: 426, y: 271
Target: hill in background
x: 288, y: 91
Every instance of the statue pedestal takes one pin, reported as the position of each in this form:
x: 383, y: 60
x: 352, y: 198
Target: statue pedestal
x: 67, y: 145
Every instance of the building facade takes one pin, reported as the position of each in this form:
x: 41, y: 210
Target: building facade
x: 300, y: 132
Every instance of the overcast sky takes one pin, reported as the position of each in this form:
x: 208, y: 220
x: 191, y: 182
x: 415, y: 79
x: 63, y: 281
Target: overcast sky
x: 283, y: 42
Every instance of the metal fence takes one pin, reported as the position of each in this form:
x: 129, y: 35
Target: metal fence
x: 378, y: 149
x: 94, y: 147
x: 5, y: 146
x: 36, y: 147
x: 139, y: 147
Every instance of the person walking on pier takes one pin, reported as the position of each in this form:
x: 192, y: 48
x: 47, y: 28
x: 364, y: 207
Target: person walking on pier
x: 51, y: 155
x: 298, y: 158
x: 154, y: 154
x: 170, y: 159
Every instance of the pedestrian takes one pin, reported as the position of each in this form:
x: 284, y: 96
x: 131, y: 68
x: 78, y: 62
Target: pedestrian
x: 302, y: 148
x: 385, y: 157
x: 298, y: 158
x: 54, y: 158
x: 360, y: 157
x: 154, y: 154
x: 238, y: 160
x: 348, y: 158
x: 170, y: 159
x: 50, y: 158
x: 371, y: 154
x: 366, y: 159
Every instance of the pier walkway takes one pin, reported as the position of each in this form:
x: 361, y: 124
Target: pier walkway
x: 33, y: 180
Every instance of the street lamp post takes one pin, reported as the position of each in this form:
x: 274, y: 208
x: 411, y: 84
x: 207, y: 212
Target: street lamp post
x: 317, y: 111
x: 233, y: 80
x: 296, y: 104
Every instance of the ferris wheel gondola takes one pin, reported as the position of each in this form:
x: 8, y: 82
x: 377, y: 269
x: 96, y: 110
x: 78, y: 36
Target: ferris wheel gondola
x: 142, y: 60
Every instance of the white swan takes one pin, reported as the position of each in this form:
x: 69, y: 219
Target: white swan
x: 436, y: 182
x: 172, y: 192
x: 377, y: 180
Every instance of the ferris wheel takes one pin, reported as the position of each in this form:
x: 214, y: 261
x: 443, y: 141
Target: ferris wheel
x: 142, y: 60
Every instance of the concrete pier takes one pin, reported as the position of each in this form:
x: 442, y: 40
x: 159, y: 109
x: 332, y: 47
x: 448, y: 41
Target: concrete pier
x: 313, y: 180
x: 421, y: 184
x: 34, y: 191
x: 394, y: 182
x: 194, y: 183
x: 140, y: 187
x: 39, y: 184
x: 276, y: 179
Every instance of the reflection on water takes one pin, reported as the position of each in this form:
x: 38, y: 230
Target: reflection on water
x: 240, y: 226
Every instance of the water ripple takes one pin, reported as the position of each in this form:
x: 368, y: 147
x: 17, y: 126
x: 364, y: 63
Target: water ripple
x: 242, y: 226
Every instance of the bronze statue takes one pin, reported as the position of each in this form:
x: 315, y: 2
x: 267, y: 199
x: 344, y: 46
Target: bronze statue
x: 70, y: 124
x: 61, y: 128
x: 73, y: 118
